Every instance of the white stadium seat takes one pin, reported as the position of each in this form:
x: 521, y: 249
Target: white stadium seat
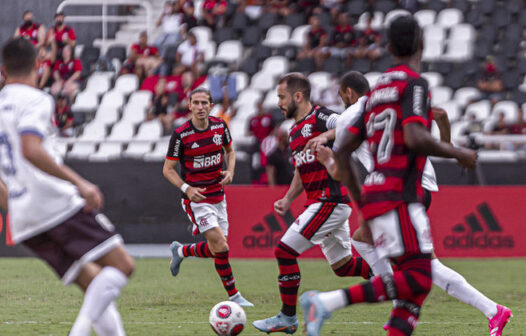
x: 479, y: 109
x: 98, y: 83
x: 466, y: 94
x: 462, y: 32
x: 106, y: 115
x: 92, y: 133
x: 141, y: 144
x: 113, y: 99
x: 434, y: 33
x: 262, y: 81
x: 425, y: 17
x: 449, y: 17
x: 159, y: 152
x: 241, y: 80
x: 248, y: 97
x: 271, y: 100
x: 440, y: 94
x: 299, y: 35
x: 389, y: 17
x: 126, y: 84
x: 277, y: 36
x: 452, y: 109
x: 141, y: 98
x: 378, y: 19
x: 432, y: 51
x: 458, y: 51
x: 276, y: 65
x: 509, y: 108
x: 86, y: 101
x: 229, y: 51
x: 120, y: 133
x: 372, y: 78
x: 433, y: 78
x: 319, y: 81
x: 209, y: 48
x: 203, y: 34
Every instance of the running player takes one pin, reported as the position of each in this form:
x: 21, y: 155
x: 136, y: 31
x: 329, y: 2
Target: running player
x: 325, y: 221
x: 351, y: 91
x: 198, y: 144
x: 53, y: 210
x: 395, y: 121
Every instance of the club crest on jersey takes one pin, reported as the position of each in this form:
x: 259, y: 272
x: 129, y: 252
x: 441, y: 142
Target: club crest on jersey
x: 218, y: 139
x: 306, y: 131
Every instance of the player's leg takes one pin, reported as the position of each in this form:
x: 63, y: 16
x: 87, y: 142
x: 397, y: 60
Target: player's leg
x: 362, y: 242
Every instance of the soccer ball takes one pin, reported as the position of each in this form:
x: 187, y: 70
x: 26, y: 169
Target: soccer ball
x: 227, y: 318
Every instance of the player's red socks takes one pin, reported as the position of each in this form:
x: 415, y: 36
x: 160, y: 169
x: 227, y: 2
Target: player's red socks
x: 289, y: 278
x: 356, y: 266
x: 410, y: 285
x: 224, y: 270
x: 199, y: 250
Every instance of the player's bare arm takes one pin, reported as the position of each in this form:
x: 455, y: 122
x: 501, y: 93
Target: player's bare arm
x: 228, y: 174
x: 296, y: 188
x: 326, y: 157
x: 342, y: 155
x: 4, y: 195
x: 169, y: 172
x: 36, y: 154
x: 321, y: 139
x: 440, y: 117
x: 418, y: 139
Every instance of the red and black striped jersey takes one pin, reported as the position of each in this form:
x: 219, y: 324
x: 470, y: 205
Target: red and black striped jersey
x: 30, y: 32
x: 201, y: 155
x: 319, y: 186
x: 400, y: 97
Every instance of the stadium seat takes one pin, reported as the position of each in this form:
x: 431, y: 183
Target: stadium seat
x: 248, y: 97
x: 86, y: 144
x: 465, y: 95
x: 305, y: 65
x: 159, y: 152
x: 240, y: 21
x: 458, y: 130
x: 277, y: 36
x: 241, y: 80
x: 458, y: 51
x: 299, y: 35
x: 433, y: 33
x: 209, y: 50
x: 372, y: 78
x: 385, y: 6
x: 480, y: 110
x: 112, y: 98
x: 141, y: 144
x: 250, y: 65
x: 497, y: 155
x: 509, y: 108
x: 288, y: 51
x: 295, y: 19
x: 462, y: 32
x: 355, y: 8
x: 203, y: 34
x: 85, y: 101
x: 449, y: 17
x: 362, y: 65
x: 462, y: 5
x: 251, y: 36
x: 88, y: 57
x: 433, y: 78
x: 126, y: 84
x: 276, y: 65
x: 425, y: 17
x: 501, y: 17
x: 61, y: 147
x: 262, y: 81
x: 435, y: 6
x: 271, y: 100
x: 389, y: 17
x: 106, y: 115
x: 267, y: 20
x: 452, y: 109
x: 432, y: 50
x: 224, y: 34
x: 229, y: 51
x: 376, y: 24
x: 333, y: 65
x: 98, y: 83
x: 116, y: 51
x: 440, y: 94
x: 319, y: 80
x: 120, y: 133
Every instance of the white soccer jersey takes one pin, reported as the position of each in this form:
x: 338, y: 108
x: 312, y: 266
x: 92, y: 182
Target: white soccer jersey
x: 37, y: 201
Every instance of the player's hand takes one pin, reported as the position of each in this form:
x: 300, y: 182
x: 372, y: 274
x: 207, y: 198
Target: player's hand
x: 324, y: 154
x: 281, y: 206
x: 92, y: 195
x: 227, y: 177
x: 315, y: 142
x: 467, y: 158
x: 194, y: 194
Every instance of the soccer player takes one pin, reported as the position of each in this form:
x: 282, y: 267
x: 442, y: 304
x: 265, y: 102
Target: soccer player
x: 353, y: 87
x: 395, y: 121
x: 198, y: 144
x: 54, y: 211
x: 325, y: 220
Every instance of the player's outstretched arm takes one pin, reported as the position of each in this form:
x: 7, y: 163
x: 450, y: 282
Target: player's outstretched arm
x: 169, y: 172
x: 228, y: 174
x: 321, y: 139
x: 326, y: 157
x: 296, y: 188
x: 442, y: 120
x: 349, y: 176
x: 36, y: 154
x: 419, y: 140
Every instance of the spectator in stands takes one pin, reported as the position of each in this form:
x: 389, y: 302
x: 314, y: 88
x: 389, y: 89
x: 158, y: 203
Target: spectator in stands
x: 490, y: 82
x: 213, y: 13
x: 518, y: 128
x: 332, y: 6
x: 279, y: 166
x: 252, y: 8
x: 173, y: 29
x: 227, y: 110
x: 143, y: 56
x: 411, y: 5
x: 66, y: 73
x: 329, y: 96
x: 281, y: 7
x: 160, y: 107
x: 342, y: 40
x: 59, y: 35
x: 369, y: 44
x: 499, y: 127
x: 190, y: 56
x: 182, y: 112
x: 63, y: 116
x: 187, y: 8
x: 262, y: 124
x: 315, y: 43
x: 34, y: 32
x: 44, y: 68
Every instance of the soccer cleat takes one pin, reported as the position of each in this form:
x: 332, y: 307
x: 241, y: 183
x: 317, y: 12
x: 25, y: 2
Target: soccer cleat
x: 278, y: 323
x: 176, y: 259
x: 240, y: 300
x: 499, y: 321
x: 314, y: 313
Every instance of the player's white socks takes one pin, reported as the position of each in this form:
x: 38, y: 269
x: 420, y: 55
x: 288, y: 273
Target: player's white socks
x: 103, y: 289
x: 333, y: 300
x: 110, y: 322
x: 455, y: 285
x: 180, y: 252
x: 368, y: 253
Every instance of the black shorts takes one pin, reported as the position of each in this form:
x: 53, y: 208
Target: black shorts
x: 67, y: 247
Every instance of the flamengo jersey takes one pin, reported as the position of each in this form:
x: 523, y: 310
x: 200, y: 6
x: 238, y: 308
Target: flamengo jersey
x: 400, y: 97
x: 30, y: 32
x: 320, y: 187
x: 37, y: 201
x: 201, y: 156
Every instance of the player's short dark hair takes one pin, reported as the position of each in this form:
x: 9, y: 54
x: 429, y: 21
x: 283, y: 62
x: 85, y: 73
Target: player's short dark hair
x: 59, y: 14
x: 201, y: 90
x: 27, y: 12
x: 296, y: 82
x: 19, y: 56
x: 356, y: 81
x: 404, y: 36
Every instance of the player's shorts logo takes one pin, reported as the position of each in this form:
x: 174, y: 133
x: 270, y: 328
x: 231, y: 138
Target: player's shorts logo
x: 218, y: 139
x: 306, y: 131
x: 203, y: 222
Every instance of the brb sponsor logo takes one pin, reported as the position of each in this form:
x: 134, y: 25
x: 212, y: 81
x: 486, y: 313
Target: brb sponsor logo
x: 202, y: 161
x: 268, y: 233
x: 483, y: 234
x: 304, y: 157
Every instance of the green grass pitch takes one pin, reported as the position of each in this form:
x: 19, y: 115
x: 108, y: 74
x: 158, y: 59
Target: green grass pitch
x: 33, y: 301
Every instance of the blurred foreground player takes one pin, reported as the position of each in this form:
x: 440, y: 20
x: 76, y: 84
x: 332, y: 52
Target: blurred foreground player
x: 325, y: 219
x: 53, y: 210
x: 198, y: 144
x: 395, y: 121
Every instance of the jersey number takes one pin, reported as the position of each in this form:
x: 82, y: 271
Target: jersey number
x: 385, y: 121
x: 6, y: 156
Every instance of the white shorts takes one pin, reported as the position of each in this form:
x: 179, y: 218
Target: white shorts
x: 325, y: 224
x: 206, y: 216
x: 402, y: 231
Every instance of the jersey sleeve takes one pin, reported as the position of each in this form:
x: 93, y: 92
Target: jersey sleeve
x: 354, y: 125
x: 71, y: 34
x: 326, y: 119
x: 36, y: 117
x: 77, y: 65
x: 175, y: 148
x: 227, y: 137
x: 415, y: 102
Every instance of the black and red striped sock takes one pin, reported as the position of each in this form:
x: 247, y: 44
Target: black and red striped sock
x: 200, y: 250
x: 356, y: 266
x: 224, y: 270
x: 289, y: 278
